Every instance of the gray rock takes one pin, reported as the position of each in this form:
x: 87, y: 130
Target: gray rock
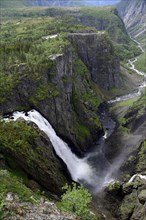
x: 142, y: 196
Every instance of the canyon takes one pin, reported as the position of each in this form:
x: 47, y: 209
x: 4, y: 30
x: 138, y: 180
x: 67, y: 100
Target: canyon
x: 92, y: 99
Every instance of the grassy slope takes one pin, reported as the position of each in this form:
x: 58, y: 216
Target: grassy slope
x: 141, y: 62
x: 101, y: 18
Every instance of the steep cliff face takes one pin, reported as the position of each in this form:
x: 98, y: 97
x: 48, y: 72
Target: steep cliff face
x: 71, y: 101
x: 29, y: 150
x: 97, y: 52
x: 134, y: 17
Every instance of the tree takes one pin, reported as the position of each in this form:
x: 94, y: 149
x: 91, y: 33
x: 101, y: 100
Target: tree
x: 77, y: 200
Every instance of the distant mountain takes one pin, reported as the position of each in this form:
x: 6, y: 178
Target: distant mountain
x: 133, y: 13
x: 75, y: 3
x: 72, y: 2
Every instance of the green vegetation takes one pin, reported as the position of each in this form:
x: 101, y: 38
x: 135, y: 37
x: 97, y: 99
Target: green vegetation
x: 19, y: 137
x: 128, y: 103
x: 23, y: 143
x: 98, y: 18
x: 108, y: 20
x: 25, y: 54
x: 122, y: 125
x: 140, y: 64
x: 116, y: 186
x: 80, y: 68
x: 77, y: 200
x: 43, y: 92
x: 82, y: 132
x: 139, y: 105
x: 127, y: 51
x: 122, y: 120
x: 141, y: 166
x: 86, y: 102
x: 25, y: 51
x: 11, y: 183
x: 142, y: 153
x: 105, y: 18
x: 8, y: 83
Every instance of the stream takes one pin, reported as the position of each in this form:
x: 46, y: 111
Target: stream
x: 94, y: 170
x: 140, y: 89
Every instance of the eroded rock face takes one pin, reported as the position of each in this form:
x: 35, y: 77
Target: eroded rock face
x: 129, y: 199
x: 97, y: 52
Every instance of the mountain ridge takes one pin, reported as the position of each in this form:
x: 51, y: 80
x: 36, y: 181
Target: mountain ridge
x: 65, y: 3
x: 134, y: 17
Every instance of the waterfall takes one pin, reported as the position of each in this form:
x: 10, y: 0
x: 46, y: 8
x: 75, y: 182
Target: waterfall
x: 78, y: 168
x: 92, y: 170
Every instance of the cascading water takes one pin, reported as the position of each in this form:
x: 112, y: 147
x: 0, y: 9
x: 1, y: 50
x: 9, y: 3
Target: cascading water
x: 78, y: 168
x: 90, y: 171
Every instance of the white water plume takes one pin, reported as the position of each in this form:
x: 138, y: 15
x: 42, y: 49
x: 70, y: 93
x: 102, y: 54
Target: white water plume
x: 78, y: 168
x: 93, y: 175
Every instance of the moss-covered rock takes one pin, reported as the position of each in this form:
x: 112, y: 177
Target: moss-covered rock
x: 128, y: 204
x: 33, y: 152
x: 142, y: 196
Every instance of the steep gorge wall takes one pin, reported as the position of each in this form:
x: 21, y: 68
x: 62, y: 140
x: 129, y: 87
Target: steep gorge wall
x: 97, y: 52
x: 134, y: 17
x: 72, y: 99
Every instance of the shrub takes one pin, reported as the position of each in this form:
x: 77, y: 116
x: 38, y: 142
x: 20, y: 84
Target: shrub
x: 77, y: 200
x: 2, y: 203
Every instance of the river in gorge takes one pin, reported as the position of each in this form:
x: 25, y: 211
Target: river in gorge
x: 94, y: 170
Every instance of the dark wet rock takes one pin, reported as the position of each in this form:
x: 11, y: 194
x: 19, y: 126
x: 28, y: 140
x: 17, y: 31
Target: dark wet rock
x: 128, y: 199
x: 142, y: 196
x: 2, y: 161
x: 128, y: 204
x: 34, y: 186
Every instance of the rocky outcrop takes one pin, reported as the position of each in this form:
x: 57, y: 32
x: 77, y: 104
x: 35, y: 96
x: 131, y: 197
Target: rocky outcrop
x: 43, y: 209
x: 129, y: 199
x: 30, y: 149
